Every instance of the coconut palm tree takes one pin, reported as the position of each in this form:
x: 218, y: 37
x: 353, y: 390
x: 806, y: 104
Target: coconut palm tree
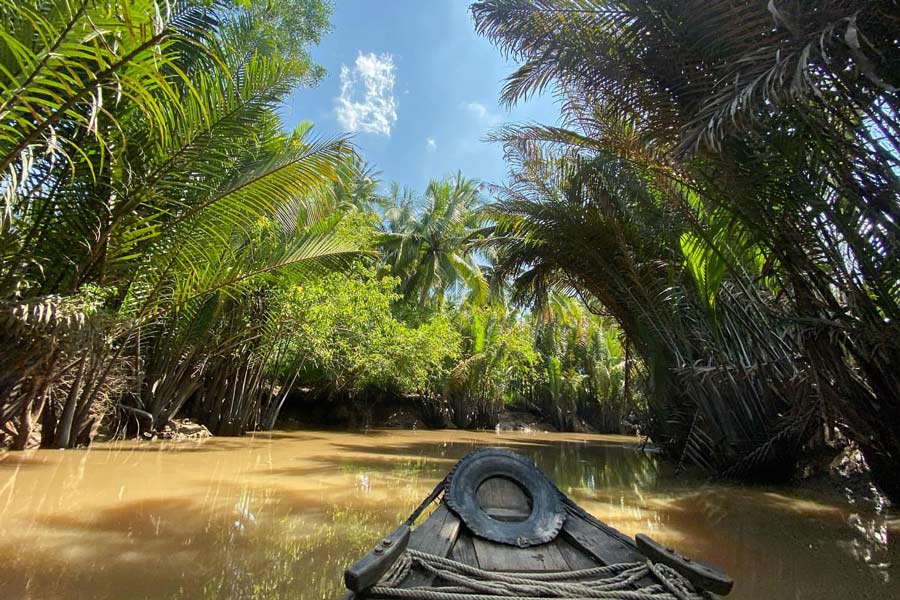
x: 357, y: 188
x: 433, y: 247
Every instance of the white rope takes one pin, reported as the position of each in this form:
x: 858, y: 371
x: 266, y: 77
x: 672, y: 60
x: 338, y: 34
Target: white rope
x: 611, y: 582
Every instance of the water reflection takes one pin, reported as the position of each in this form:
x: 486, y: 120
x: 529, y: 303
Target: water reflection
x: 279, y: 515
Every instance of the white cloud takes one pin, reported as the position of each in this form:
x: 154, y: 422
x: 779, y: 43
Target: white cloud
x: 477, y: 108
x: 367, y: 101
x: 481, y: 112
x: 430, y: 144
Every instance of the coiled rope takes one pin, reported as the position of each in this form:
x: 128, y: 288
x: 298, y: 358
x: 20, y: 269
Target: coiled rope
x: 611, y: 582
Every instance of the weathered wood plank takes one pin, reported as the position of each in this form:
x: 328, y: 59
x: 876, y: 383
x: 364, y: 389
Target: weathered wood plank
x: 575, y: 558
x: 500, y: 494
x: 574, y: 509
x: 434, y: 536
x: 463, y: 550
x: 604, y: 547
x: 500, y: 557
x: 507, y: 514
x: 601, y: 541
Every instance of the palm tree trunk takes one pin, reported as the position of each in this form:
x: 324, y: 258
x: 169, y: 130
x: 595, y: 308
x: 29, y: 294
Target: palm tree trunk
x: 25, y: 425
x: 64, y: 426
x: 626, y: 391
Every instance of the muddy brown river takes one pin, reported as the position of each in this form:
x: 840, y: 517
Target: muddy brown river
x: 279, y: 515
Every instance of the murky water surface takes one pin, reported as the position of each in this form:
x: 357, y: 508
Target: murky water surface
x: 279, y: 515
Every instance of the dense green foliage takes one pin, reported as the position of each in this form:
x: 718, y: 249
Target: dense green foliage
x: 166, y: 249
x: 152, y: 203
x: 725, y: 185
x: 351, y: 342
x: 421, y: 321
x: 719, y: 201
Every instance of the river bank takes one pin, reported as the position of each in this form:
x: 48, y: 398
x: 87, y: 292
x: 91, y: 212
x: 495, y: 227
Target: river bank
x: 836, y: 469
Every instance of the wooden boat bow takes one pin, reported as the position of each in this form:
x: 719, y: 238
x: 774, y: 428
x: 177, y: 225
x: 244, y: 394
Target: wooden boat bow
x: 504, y: 526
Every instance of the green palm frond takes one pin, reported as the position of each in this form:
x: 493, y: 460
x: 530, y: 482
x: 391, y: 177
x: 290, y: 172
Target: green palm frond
x: 65, y: 67
x: 210, y: 245
x: 435, y: 249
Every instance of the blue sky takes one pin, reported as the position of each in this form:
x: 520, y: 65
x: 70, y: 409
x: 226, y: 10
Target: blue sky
x: 416, y: 87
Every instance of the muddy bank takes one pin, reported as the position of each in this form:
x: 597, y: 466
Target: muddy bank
x: 309, y: 411
x: 178, y: 430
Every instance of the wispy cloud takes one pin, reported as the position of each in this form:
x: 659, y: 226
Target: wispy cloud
x: 366, y: 102
x: 430, y: 144
x: 481, y: 112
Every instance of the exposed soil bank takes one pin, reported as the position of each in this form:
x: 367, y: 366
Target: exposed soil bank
x: 179, y: 430
x: 403, y: 412
x: 840, y: 472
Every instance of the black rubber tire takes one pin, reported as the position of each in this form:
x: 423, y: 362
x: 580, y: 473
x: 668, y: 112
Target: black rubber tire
x: 547, y: 512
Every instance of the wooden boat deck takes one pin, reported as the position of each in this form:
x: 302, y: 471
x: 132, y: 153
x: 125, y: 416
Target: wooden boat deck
x: 583, y: 543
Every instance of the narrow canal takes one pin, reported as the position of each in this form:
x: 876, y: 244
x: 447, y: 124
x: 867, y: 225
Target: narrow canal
x: 279, y: 515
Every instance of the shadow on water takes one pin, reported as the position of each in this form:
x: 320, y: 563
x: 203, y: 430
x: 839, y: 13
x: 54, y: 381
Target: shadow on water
x: 173, y: 519
x: 780, y: 546
x: 268, y: 543
x: 114, y: 552
x: 293, y: 436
